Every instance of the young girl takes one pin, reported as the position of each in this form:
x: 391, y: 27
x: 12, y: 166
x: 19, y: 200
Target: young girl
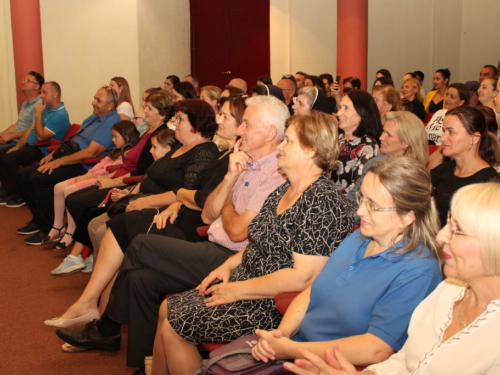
x: 161, y: 144
x: 124, y: 133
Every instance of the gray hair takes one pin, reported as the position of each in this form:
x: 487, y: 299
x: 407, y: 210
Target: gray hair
x: 276, y: 113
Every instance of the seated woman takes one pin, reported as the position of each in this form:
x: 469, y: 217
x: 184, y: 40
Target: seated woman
x: 124, y: 107
x: 178, y: 170
x: 473, y: 148
x: 434, y: 100
x: 387, y: 98
x: 488, y: 92
x: 159, y: 108
x: 364, y: 297
x: 403, y: 135
x: 311, y: 98
x: 460, y: 320
x: 360, y: 127
x: 125, y: 136
x: 139, y: 118
x: 411, y: 92
x: 169, y: 83
x: 299, y: 226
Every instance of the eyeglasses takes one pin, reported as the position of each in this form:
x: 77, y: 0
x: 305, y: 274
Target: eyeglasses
x: 370, y: 206
x: 179, y: 118
x: 286, y: 89
x: 455, y: 230
x: 27, y: 80
x: 113, y: 94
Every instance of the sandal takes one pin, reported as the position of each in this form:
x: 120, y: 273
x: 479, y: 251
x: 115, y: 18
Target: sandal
x: 57, y: 237
x: 61, y: 246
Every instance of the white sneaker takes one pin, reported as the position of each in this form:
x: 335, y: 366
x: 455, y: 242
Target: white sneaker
x: 69, y: 265
x: 89, y: 264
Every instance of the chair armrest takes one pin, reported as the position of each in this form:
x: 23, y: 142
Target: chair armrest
x: 92, y: 160
x: 42, y: 143
x: 132, y: 180
x: 203, y: 231
x: 283, y: 300
x: 113, y: 168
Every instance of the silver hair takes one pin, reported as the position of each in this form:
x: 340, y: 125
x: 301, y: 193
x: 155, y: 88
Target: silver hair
x: 276, y: 112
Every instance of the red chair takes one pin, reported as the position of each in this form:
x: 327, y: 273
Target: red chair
x: 53, y: 143
x: 428, y: 117
x: 433, y: 148
x: 132, y: 180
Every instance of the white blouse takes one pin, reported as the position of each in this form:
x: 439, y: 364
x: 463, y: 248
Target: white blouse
x: 126, y: 109
x: 474, y: 350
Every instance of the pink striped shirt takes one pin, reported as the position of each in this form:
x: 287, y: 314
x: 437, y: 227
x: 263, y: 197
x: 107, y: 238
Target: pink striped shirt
x: 249, y: 193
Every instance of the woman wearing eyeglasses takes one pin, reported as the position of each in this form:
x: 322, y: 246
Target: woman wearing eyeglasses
x: 455, y: 329
x: 364, y: 297
x: 474, y: 150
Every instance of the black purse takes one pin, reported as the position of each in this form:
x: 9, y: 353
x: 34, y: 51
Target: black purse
x: 121, y: 204
x: 67, y: 147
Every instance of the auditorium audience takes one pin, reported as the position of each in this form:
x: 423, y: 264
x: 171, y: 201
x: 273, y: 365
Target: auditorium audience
x: 395, y: 249
x: 473, y: 150
x: 410, y: 91
x: 237, y: 298
x: 31, y: 87
x: 434, y: 100
x: 169, y: 83
x: 387, y: 98
x: 124, y: 107
x: 460, y: 318
x: 360, y: 127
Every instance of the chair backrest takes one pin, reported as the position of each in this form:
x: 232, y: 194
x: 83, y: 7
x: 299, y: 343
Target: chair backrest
x: 433, y: 148
x: 73, y: 129
x: 428, y: 117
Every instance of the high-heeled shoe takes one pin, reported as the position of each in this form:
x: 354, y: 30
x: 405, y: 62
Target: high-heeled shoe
x: 61, y: 246
x: 64, y: 323
x: 57, y: 237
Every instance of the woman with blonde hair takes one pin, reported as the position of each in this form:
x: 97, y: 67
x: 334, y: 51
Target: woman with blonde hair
x: 410, y: 91
x: 124, y: 107
x: 211, y: 95
x: 460, y: 320
x: 387, y: 98
x: 403, y: 135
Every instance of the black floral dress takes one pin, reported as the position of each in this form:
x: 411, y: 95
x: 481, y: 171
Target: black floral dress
x: 314, y: 225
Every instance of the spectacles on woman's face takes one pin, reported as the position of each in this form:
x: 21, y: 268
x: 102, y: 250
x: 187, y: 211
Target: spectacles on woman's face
x: 178, y: 119
x: 370, y: 206
x: 454, y: 228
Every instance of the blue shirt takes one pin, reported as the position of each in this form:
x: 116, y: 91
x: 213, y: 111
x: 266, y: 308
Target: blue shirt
x: 26, y: 115
x: 56, y: 120
x: 354, y: 295
x: 97, y: 129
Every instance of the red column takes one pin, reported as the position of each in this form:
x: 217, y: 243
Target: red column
x: 352, y: 39
x: 27, y: 40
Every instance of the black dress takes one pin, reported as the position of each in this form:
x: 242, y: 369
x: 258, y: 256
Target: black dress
x: 197, y: 169
x: 314, y: 225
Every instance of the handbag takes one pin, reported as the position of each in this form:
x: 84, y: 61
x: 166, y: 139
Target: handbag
x: 66, y: 147
x: 236, y: 358
x: 121, y: 204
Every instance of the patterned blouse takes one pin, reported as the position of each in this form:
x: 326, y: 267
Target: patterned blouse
x: 354, y: 154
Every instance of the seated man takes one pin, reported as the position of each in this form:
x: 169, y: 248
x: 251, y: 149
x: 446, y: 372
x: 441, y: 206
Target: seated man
x: 154, y: 266
x: 51, y: 121
x: 31, y: 86
x: 37, y: 182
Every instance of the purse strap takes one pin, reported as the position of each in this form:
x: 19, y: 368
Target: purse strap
x: 214, y: 360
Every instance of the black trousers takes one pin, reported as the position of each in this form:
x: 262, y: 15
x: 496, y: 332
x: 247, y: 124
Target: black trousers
x: 153, y: 267
x: 12, y: 162
x: 38, y: 190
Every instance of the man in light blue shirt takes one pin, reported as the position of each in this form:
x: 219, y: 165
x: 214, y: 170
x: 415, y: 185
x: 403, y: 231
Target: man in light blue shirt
x: 31, y: 86
x: 51, y: 122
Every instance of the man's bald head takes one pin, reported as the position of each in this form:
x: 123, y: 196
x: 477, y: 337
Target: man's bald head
x: 239, y: 83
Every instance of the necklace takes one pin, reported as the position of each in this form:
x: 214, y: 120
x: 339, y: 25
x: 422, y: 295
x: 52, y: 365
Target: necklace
x: 460, y: 310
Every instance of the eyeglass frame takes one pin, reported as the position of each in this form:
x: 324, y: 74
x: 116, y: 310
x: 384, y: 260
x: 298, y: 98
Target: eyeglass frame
x: 177, y: 119
x: 455, y: 231
x: 369, y: 205
x: 24, y: 80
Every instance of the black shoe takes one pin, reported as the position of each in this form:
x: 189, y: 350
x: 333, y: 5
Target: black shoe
x: 88, y: 337
x: 5, y: 198
x: 15, y: 202
x: 30, y: 228
x: 37, y: 239
x: 139, y: 371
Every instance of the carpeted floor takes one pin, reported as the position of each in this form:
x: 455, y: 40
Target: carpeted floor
x: 28, y: 296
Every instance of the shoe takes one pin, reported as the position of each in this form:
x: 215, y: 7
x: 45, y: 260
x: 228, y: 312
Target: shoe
x: 69, y: 265
x: 61, y: 246
x: 68, y: 348
x: 5, y: 198
x: 58, y: 236
x: 30, y: 228
x: 64, y: 323
x: 36, y: 239
x: 89, y: 337
x: 139, y: 371
x: 15, y: 202
x: 89, y: 264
